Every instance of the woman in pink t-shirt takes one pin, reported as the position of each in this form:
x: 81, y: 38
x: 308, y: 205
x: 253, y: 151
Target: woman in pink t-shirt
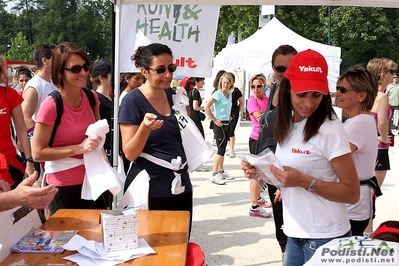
x: 70, y: 68
x: 256, y: 106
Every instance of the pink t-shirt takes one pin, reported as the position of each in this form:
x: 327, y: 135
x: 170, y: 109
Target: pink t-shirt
x: 71, y: 131
x: 254, y: 105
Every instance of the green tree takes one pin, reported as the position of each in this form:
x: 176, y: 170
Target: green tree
x: 7, y: 29
x: 238, y: 19
x: 19, y: 49
x: 27, y: 12
x: 85, y: 23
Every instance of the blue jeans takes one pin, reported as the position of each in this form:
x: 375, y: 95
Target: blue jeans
x: 299, y: 250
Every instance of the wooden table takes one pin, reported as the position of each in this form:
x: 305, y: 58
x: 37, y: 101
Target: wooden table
x: 165, y: 231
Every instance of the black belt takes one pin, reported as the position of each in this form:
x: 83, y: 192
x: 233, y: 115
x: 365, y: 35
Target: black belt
x: 373, y: 184
x: 225, y: 122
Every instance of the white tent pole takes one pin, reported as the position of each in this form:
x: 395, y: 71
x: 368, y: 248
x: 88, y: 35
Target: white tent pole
x: 115, y: 144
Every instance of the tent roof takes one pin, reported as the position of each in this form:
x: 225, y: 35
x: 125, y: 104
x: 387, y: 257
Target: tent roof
x: 255, y: 52
x: 370, y: 3
x: 256, y: 44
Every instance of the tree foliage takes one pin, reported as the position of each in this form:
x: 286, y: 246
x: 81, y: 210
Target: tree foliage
x: 241, y: 20
x: 362, y: 33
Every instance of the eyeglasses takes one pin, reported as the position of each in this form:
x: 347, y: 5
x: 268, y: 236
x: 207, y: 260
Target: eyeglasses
x: 162, y: 69
x: 280, y: 69
x: 343, y: 89
x: 77, y: 68
x: 255, y: 86
x: 395, y: 77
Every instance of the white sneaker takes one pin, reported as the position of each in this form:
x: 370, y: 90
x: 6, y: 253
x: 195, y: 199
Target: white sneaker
x: 217, y: 179
x: 226, y: 176
x: 232, y: 154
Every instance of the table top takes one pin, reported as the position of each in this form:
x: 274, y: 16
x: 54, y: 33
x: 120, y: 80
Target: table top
x: 165, y: 231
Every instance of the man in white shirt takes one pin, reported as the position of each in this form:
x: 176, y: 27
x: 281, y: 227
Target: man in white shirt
x: 38, y: 87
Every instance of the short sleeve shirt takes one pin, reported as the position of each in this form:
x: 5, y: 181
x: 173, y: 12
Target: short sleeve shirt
x: 164, y: 143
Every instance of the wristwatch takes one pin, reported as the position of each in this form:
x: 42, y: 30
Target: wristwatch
x: 312, y: 185
x: 30, y: 159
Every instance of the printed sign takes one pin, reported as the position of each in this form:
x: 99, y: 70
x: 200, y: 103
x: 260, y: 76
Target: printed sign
x: 189, y: 30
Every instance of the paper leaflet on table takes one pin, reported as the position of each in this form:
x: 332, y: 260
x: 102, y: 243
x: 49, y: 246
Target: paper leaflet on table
x: 262, y: 163
x: 100, y: 176
x: 93, y: 253
x: 136, y: 195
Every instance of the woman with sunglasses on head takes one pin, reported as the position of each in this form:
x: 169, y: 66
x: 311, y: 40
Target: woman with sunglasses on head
x: 151, y: 134
x: 356, y: 91
x: 280, y: 59
x: 319, y: 175
x: 129, y: 82
x: 64, y: 159
x: 21, y: 76
x: 383, y: 69
x: 256, y: 106
x: 221, y: 119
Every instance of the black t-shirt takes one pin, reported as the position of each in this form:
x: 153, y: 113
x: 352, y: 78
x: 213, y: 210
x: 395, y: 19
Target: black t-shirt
x: 236, y: 94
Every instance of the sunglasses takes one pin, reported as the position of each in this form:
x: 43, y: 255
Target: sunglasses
x: 343, y: 89
x: 77, y: 68
x: 280, y: 69
x: 162, y: 69
x: 255, y: 86
x: 395, y: 77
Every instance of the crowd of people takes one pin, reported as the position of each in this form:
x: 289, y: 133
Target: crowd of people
x: 332, y: 171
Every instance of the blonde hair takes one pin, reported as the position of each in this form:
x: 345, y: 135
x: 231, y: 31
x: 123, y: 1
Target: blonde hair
x: 230, y: 77
x: 259, y: 77
x: 379, y: 66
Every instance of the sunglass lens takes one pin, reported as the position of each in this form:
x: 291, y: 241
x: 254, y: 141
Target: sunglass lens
x: 76, y: 69
x: 341, y: 89
x: 172, y: 68
x: 280, y: 69
x: 160, y: 70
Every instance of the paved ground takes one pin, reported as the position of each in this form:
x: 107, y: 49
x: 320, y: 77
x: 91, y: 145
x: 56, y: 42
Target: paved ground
x: 223, y: 227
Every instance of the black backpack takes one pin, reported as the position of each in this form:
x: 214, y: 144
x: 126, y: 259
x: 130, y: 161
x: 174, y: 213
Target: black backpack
x: 60, y: 109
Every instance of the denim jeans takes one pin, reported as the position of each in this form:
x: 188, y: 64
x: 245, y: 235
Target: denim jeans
x: 299, y: 250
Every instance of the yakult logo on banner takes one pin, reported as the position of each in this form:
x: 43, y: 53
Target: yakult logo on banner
x: 189, y: 30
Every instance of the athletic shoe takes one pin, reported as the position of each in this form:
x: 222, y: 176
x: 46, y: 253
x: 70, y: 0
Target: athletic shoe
x: 259, y: 212
x: 232, y: 154
x: 202, y: 168
x: 217, y: 179
x: 264, y: 203
x: 226, y: 176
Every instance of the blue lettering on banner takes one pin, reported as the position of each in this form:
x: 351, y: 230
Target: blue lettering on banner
x: 183, y: 27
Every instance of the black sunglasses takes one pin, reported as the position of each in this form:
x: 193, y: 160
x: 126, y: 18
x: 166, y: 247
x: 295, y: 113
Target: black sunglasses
x: 280, y: 69
x: 256, y: 86
x: 77, y: 68
x: 395, y: 77
x: 162, y: 69
x: 343, y: 89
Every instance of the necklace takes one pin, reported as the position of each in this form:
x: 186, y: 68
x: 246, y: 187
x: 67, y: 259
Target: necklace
x: 74, y: 103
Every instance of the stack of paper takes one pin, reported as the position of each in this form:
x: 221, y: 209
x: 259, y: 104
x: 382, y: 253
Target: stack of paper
x: 93, y: 253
